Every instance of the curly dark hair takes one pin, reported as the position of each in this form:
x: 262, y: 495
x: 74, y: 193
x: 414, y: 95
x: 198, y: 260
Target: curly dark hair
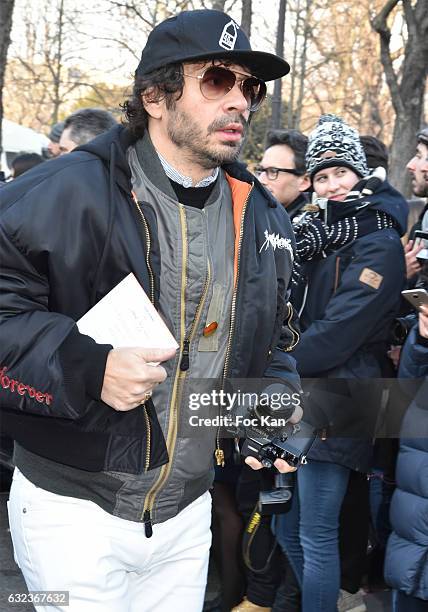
x: 165, y: 83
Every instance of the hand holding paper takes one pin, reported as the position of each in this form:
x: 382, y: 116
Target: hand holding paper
x: 129, y: 376
x: 127, y: 319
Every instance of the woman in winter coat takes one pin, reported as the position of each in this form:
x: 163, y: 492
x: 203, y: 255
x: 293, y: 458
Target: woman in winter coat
x: 406, y: 563
x: 347, y: 301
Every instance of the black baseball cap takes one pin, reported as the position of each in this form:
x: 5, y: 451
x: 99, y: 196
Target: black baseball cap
x: 206, y: 34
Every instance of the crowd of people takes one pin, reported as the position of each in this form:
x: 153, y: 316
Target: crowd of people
x: 292, y: 274
x: 78, y: 128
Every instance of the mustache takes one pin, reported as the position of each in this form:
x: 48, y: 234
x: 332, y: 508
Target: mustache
x: 222, y: 122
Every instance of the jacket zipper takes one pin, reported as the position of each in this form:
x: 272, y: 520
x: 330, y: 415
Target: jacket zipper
x: 152, y: 299
x: 149, y: 439
x: 219, y: 453
x: 148, y: 243
x: 180, y: 375
x: 337, y: 274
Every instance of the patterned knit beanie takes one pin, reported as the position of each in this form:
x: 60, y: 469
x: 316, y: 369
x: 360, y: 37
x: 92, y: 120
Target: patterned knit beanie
x: 334, y: 143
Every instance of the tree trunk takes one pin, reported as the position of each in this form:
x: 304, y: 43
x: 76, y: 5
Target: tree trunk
x: 6, y: 10
x: 58, y: 65
x: 402, y: 150
x: 247, y: 13
x: 303, y: 58
x: 291, y: 109
x: 406, y: 95
x: 277, y: 89
x: 218, y: 5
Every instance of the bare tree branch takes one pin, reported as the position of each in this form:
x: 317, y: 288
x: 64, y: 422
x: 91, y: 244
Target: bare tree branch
x: 303, y: 59
x: 407, y: 93
x: 121, y: 43
x: 218, y: 5
x: 131, y: 8
x: 247, y: 11
x: 379, y: 24
x: 276, y: 98
x: 409, y: 18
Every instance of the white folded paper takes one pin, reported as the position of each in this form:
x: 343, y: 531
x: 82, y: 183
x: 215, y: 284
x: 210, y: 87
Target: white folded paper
x: 126, y: 317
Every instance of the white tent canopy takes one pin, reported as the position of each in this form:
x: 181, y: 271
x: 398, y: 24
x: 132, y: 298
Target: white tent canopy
x: 17, y: 138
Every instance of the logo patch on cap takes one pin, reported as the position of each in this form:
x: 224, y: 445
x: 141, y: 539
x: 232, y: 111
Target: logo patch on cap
x: 229, y: 35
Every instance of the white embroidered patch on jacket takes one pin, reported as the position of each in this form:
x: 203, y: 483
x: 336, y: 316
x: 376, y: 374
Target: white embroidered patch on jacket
x: 277, y: 242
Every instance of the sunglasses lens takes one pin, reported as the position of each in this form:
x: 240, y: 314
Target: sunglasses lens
x: 254, y: 91
x: 217, y: 82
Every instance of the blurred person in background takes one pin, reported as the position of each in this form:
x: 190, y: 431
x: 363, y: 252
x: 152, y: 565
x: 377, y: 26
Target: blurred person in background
x: 375, y: 151
x: 420, y: 190
x: 52, y: 150
x: 406, y: 562
x: 347, y: 302
x: 83, y: 126
x: 416, y: 164
x: 25, y: 161
x: 282, y: 169
x: 416, y: 265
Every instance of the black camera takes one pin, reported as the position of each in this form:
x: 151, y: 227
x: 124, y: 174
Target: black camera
x: 268, y: 434
x: 290, y: 442
x: 400, y: 329
x: 263, y: 421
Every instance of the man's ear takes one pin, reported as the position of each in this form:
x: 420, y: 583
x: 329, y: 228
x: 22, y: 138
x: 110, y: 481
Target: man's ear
x: 304, y: 182
x: 153, y: 104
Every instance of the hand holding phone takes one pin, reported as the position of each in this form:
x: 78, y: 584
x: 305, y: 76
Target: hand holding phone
x: 413, y: 265
x: 421, y: 239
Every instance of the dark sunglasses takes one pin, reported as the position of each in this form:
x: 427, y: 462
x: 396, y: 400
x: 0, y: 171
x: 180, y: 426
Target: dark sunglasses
x: 272, y: 173
x: 216, y: 82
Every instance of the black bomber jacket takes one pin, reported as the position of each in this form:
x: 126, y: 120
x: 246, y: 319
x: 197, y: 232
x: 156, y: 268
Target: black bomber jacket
x: 69, y: 233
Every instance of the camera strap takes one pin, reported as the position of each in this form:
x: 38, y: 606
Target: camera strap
x: 248, y: 538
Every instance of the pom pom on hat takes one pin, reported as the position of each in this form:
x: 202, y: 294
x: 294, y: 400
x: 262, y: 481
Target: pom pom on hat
x: 329, y: 118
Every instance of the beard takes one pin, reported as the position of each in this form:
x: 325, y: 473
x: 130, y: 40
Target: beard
x: 186, y: 134
x: 420, y: 188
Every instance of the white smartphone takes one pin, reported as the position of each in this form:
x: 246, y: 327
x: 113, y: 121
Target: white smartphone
x: 421, y: 237
x: 416, y: 297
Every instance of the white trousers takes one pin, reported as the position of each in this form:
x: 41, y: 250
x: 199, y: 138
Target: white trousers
x: 106, y: 563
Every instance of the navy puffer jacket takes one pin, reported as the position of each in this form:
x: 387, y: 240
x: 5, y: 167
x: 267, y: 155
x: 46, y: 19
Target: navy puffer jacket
x: 406, y: 563
x: 349, y: 301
